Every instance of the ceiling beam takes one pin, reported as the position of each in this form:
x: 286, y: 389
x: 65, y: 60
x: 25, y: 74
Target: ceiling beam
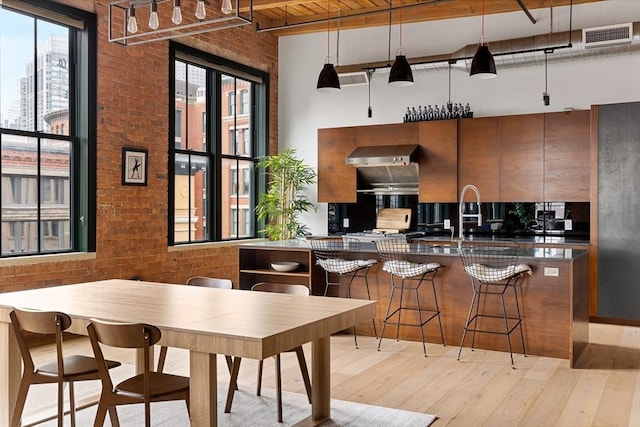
x: 413, y: 11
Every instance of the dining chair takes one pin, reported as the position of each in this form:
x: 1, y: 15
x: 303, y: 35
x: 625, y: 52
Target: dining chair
x: 147, y: 387
x: 64, y: 370
x: 284, y: 289
x: 207, y: 282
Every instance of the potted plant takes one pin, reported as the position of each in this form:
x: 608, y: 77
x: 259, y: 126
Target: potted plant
x: 284, y: 200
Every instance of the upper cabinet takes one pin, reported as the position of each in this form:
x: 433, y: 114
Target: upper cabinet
x: 521, y: 169
x: 438, y: 161
x: 522, y: 158
x: 478, y: 154
x: 567, y: 156
x: 336, y: 179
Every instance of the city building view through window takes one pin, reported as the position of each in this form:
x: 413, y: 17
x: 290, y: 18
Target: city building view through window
x: 214, y: 179
x: 36, y: 140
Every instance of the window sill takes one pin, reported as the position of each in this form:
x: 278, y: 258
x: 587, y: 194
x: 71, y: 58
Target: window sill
x: 205, y: 245
x: 41, y: 259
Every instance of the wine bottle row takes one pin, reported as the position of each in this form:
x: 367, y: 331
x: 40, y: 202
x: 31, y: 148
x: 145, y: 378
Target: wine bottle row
x: 448, y: 111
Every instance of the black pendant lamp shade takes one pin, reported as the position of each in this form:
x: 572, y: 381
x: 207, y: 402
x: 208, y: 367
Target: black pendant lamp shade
x: 328, y: 79
x: 401, y: 74
x: 483, y: 66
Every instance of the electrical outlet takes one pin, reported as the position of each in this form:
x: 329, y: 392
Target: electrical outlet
x: 345, y: 222
x: 568, y: 224
x: 447, y: 224
x: 551, y: 271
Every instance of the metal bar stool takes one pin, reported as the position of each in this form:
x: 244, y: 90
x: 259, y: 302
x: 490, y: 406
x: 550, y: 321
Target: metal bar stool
x: 408, y: 262
x: 339, y: 257
x: 493, y: 269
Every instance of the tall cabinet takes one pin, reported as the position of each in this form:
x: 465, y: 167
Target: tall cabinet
x: 618, y: 222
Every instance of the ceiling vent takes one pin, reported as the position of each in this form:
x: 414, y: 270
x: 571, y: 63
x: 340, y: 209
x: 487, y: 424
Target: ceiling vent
x: 607, y: 35
x: 353, y: 79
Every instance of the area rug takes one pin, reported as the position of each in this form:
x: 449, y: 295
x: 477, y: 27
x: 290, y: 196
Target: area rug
x: 251, y: 410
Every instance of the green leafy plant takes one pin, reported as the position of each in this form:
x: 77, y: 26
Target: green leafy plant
x: 524, y: 211
x: 284, y: 200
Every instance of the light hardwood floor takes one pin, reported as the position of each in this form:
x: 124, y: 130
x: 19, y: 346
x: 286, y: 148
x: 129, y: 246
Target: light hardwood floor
x: 479, y: 390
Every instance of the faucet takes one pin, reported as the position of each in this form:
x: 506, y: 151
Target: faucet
x: 463, y: 215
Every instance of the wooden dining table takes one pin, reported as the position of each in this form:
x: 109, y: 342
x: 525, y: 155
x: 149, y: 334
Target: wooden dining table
x: 205, y: 321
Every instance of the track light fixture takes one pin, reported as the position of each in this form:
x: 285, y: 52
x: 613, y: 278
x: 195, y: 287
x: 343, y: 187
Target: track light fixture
x: 188, y: 17
x: 483, y: 66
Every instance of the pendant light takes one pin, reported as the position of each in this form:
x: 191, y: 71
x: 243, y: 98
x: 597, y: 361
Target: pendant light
x: 154, y: 23
x: 132, y: 22
x: 176, y: 15
x: 483, y: 66
x: 401, y: 74
x: 201, y: 11
x: 328, y: 79
x: 226, y: 7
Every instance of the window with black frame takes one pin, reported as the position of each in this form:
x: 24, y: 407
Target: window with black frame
x: 44, y: 128
x: 214, y: 181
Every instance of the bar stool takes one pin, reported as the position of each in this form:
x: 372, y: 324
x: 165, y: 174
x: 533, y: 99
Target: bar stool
x: 493, y: 269
x: 409, y: 263
x: 339, y: 257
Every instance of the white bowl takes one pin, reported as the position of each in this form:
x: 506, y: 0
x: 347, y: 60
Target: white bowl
x: 285, y: 265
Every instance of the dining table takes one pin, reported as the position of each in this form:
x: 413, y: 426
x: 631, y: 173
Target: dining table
x: 205, y: 321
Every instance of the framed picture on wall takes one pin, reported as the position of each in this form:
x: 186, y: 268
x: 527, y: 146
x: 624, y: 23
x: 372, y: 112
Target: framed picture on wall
x: 134, y: 166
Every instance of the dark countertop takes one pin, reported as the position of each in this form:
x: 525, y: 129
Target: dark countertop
x: 449, y: 249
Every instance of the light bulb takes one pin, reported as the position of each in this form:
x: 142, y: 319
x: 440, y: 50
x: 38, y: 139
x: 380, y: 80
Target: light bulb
x: 176, y: 16
x: 153, y: 17
x: 201, y: 12
x: 132, y: 23
x: 226, y: 7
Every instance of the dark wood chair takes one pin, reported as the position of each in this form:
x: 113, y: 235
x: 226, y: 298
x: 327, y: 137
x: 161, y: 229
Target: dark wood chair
x: 63, y: 370
x: 207, y: 282
x: 285, y: 289
x: 143, y: 388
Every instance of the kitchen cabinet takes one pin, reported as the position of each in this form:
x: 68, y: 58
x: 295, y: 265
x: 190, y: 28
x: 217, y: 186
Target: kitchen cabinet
x: 521, y: 165
x: 255, y: 264
x: 617, y: 204
x: 478, y: 153
x: 567, y: 165
x: 336, y: 180
x: 438, y: 161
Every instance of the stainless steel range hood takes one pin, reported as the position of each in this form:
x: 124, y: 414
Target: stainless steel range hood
x: 386, y: 169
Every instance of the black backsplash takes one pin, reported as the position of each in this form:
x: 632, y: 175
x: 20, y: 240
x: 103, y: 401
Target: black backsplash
x: 503, y: 219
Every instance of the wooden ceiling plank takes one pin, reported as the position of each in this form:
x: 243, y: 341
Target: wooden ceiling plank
x: 300, y: 13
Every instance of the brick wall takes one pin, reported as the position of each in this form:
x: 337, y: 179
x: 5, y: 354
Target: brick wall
x: 133, y: 111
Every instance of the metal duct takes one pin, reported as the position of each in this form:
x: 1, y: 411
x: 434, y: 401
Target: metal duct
x: 513, y: 53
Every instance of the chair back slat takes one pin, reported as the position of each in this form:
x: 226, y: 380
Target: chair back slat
x: 126, y: 335
x: 42, y: 322
x: 210, y: 282
x: 281, y: 288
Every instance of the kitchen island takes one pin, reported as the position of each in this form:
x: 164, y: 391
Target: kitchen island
x: 554, y: 298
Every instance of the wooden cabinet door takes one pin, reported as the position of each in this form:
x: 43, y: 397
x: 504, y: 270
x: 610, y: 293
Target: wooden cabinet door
x: 391, y: 134
x: 567, y: 156
x: 336, y: 179
x: 478, y: 157
x: 521, y: 158
x: 438, y: 142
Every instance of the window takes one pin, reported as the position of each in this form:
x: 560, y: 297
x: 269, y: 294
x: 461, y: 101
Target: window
x: 244, y: 98
x: 214, y: 182
x: 232, y: 103
x: 47, y: 124
x: 178, y: 127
